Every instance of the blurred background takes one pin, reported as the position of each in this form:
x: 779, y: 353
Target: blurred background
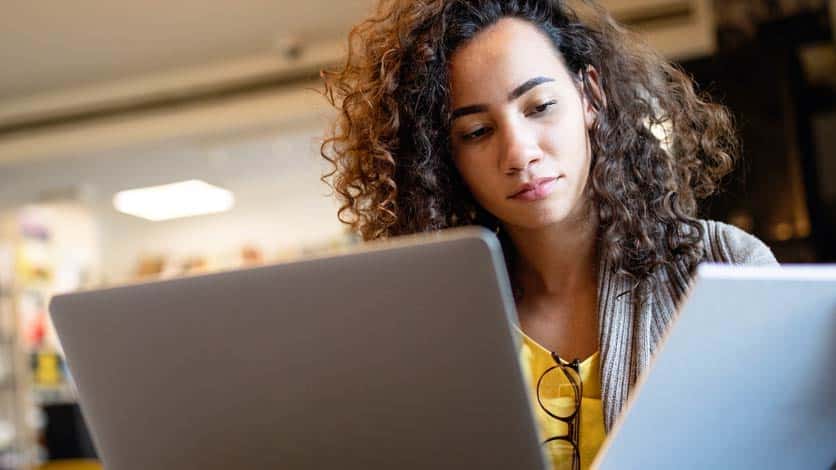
x: 143, y: 140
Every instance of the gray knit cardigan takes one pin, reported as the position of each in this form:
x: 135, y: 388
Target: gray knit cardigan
x: 628, y: 338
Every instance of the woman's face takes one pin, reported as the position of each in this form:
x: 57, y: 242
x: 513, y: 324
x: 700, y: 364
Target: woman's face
x: 519, y: 126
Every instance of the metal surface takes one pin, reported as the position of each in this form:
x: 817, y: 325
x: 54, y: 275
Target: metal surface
x: 396, y: 356
x: 745, y: 378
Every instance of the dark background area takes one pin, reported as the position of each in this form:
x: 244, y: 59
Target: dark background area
x: 786, y: 116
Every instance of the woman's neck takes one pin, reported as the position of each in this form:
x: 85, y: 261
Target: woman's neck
x: 556, y: 269
x: 556, y: 261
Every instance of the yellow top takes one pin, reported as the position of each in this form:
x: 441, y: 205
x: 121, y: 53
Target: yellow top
x: 535, y: 360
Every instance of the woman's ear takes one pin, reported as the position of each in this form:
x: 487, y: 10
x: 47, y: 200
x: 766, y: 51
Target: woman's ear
x: 592, y: 94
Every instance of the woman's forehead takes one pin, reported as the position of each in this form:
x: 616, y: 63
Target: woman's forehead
x: 502, y: 57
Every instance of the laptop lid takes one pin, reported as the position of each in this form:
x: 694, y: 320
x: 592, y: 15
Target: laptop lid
x: 396, y: 355
x: 746, y: 377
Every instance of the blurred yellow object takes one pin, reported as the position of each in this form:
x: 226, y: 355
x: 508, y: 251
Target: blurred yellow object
x: 72, y: 465
x: 47, y: 372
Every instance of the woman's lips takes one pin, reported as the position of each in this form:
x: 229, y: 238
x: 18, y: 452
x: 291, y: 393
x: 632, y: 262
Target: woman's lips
x: 541, y: 189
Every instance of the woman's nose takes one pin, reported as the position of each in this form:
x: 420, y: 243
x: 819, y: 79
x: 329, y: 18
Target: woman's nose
x: 519, y: 149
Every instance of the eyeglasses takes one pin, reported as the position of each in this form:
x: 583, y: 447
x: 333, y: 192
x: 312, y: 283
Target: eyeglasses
x: 570, y: 442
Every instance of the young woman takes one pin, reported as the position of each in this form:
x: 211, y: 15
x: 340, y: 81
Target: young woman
x: 584, y: 151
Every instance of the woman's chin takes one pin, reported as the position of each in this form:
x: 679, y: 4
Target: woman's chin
x: 539, y: 222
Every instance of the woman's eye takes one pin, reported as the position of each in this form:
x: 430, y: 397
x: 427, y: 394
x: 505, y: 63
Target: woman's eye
x: 541, y: 108
x: 476, y: 134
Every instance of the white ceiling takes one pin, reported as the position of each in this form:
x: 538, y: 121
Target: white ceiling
x: 51, y: 46
x: 48, y: 46
x: 86, y: 47
x: 289, y: 156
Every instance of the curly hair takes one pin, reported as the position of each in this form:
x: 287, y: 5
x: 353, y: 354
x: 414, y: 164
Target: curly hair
x: 393, y: 170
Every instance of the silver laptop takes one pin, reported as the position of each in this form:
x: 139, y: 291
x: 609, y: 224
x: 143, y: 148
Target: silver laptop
x: 396, y: 356
x: 746, y: 377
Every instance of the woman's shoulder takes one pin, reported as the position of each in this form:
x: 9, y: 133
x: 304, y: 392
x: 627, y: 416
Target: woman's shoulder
x: 726, y: 243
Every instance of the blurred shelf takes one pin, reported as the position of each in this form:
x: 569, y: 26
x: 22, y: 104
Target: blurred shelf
x: 12, y: 459
x: 44, y: 396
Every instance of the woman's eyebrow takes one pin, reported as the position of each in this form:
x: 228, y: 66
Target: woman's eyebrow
x: 529, y: 84
x: 514, y: 94
x: 465, y: 110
